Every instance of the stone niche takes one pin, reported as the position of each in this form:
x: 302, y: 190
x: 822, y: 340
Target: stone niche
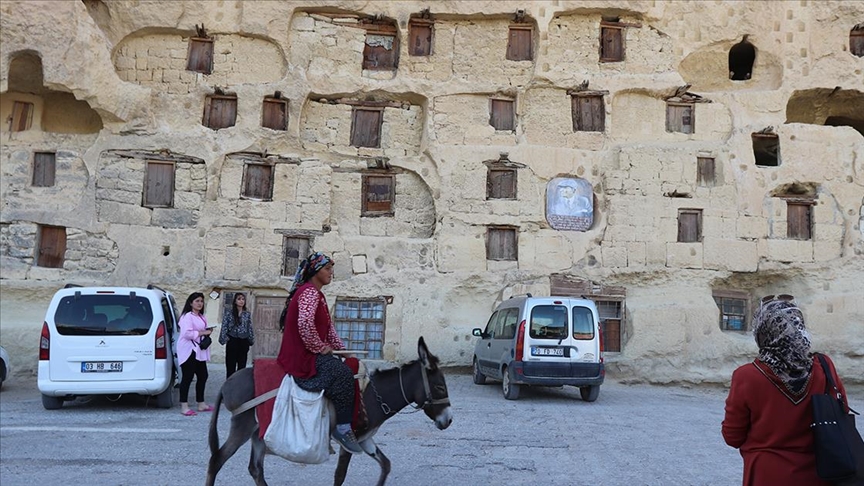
x: 239, y: 205
x: 823, y: 106
x: 44, y: 110
x: 70, y: 181
x: 326, y: 126
x: 707, y: 69
x: 159, y: 60
x: 463, y: 119
x: 123, y: 176
x: 548, y: 120
x: 640, y: 115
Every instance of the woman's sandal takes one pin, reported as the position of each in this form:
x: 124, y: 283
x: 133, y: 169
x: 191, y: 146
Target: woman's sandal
x: 208, y: 409
x: 189, y: 413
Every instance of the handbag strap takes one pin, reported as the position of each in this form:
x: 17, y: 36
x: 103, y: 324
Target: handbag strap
x: 829, y: 380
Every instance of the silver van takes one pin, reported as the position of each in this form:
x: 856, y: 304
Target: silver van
x: 542, y: 341
x: 108, y: 341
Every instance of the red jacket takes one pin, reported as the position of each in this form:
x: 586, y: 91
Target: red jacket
x: 294, y: 357
x: 772, y: 433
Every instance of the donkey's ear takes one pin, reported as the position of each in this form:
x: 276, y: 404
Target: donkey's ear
x: 429, y: 361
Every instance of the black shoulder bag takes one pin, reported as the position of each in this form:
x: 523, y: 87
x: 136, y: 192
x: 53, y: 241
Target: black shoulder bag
x: 205, y: 343
x: 838, y: 446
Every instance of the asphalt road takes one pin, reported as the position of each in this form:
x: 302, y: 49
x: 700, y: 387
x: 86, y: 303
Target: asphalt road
x: 632, y: 435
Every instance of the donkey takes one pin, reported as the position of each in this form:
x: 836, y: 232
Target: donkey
x: 419, y: 383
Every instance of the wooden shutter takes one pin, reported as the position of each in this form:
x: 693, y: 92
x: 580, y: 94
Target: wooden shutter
x: 200, y: 56
x: 680, y: 117
x: 798, y: 220
x: 766, y: 149
x: 502, y: 114
x: 294, y: 249
x: 378, y: 194
x: 611, y: 43
x: 381, y: 49
x: 419, y: 38
x: 519, y: 42
x: 274, y: 114
x: 52, y: 246
x: 22, y: 116
x: 689, y: 226
x: 258, y: 181
x: 44, y: 168
x: 366, y: 127
x: 589, y: 114
x: 856, y: 42
x: 220, y: 111
x: 705, y: 171
x: 159, y: 185
x: 501, y: 244
x: 501, y: 184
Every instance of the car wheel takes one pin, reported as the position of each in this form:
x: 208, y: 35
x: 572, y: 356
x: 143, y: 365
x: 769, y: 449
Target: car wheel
x: 510, y: 389
x: 2, y: 373
x: 479, y: 377
x: 51, y: 403
x: 166, y: 398
x: 589, y: 393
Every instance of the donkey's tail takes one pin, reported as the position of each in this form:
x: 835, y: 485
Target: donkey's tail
x: 214, y: 422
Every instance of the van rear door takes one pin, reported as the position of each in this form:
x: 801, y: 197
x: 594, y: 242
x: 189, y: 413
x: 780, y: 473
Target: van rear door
x: 586, y: 339
x: 103, y: 336
x: 547, y: 331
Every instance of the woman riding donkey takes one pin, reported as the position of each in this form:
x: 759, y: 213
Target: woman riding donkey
x: 308, y: 343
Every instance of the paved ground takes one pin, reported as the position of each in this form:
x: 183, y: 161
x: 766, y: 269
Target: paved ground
x: 632, y: 435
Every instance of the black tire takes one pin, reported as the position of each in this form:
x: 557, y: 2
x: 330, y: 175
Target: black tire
x: 510, y: 389
x: 589, y: 393
x: 51, y: 403
x: 479, y: 377
x: 166, y: 398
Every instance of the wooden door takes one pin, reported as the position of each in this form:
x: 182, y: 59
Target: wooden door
x: 265, y: 320
x: 612, y: 335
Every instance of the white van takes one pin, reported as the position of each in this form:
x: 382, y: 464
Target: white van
x: 543, y: 341
x: 108, y: 341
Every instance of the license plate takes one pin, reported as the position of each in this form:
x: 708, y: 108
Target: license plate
x: 547, y: 351
x: 101, y: 366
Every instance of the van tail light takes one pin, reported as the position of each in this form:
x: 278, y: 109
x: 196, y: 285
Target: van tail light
x: 520, y: 341
x: 602, y: 345
x: 161, y: 342
x: 45, y: 343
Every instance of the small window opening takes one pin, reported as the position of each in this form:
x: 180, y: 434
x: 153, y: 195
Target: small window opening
x: 420, y: 37
x: 502, y: 114
x: 733, y: 307
x: 501, y: 243
x: 220, y: 111
x: 44, y: 169
x: 379, y: 191
x: 360, y: 325
x: 274, y: 113
x: 520, y: 42
x: 200, y: 56
x: 766, y: 149
x: 705, y: 174
x: 501, y: 183
x: 258, y: 181
x: 680, y: 117
x: 294, y: 249
x: 799, y: 219
x: 856, y: 40
x: 158, y: 185
x: 611, y: 40
x: 741, y: 57
x: 366, y: 126
x: 589, y: 113
x: 52, y: 247
x: 689, y: 225
x: 381, y: 49
x: 22, y: 116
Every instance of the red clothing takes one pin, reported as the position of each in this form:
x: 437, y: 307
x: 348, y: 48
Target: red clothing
x: 308, y: 329
x: 772, y: 433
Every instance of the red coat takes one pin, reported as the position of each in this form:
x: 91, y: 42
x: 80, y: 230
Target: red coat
x: 772, y: 433
x: 294, y: 357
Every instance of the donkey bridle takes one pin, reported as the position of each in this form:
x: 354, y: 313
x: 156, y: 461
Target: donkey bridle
x: 428, y: 390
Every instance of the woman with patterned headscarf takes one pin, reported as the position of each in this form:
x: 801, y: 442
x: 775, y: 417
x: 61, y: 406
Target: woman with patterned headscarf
x: 308, y: 342
x: 768, y: 411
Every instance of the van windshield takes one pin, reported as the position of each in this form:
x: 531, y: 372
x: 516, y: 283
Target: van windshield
x: 549, y: 322
x: 103, y: 315
x: 583, y: 323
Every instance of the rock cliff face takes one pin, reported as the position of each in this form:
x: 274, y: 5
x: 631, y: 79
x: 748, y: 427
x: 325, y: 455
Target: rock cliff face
x: 208, y: 145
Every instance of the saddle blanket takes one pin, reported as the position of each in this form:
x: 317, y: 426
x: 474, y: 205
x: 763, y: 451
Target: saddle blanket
x: 268, y: 376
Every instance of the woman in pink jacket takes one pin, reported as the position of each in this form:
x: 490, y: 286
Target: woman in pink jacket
x: 193, y: 359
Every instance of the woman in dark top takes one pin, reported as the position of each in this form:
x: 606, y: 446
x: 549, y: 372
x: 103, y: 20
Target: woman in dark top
x: 768, y: 411
x: 237, y: 335
x: 308, y: 343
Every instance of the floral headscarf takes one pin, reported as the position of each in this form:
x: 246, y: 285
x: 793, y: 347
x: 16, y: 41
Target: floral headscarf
x: 307, y: 269
x: 784, y: 343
